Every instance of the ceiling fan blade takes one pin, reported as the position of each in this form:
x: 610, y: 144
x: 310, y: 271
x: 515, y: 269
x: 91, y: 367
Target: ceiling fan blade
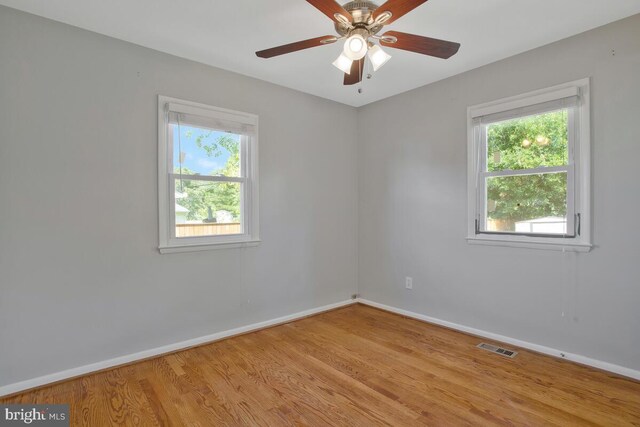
x: 419, y: 44
x: 357, y: 69
x: 331, y: 8
x: 398, y: 9
x: 293, y: 47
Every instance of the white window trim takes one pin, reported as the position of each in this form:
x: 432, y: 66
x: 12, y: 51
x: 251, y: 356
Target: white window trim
x: 166, y: 203
x: 580, y: 159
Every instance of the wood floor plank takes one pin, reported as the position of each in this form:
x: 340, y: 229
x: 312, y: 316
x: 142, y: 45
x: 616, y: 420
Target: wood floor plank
x: 466, y: 391
x: 356, y: 366
x: 409, y: 380
x: 575, y: 384
x: 359, y: 405
x: 276, y: 383
x: 375, y: 395
x: 361, y: 369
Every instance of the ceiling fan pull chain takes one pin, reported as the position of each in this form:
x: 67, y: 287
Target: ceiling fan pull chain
x: 361, y: 68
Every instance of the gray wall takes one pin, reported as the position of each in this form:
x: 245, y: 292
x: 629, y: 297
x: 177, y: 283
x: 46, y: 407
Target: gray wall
x: 81, y: 277
x: 413, y: 213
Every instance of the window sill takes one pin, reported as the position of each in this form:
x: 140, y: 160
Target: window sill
x: 208, y: 246
x: 562, y: 245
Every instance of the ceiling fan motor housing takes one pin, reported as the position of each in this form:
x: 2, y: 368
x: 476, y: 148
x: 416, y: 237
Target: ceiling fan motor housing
x: 362, y: 12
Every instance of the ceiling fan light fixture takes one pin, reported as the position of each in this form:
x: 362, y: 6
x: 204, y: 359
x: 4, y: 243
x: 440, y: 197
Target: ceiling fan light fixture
x: 343, y: 63
x: 378, y: 57
x: 355, y: 47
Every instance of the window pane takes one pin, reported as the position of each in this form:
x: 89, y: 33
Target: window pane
x: 206, y: 208
x: 527, y: 203
x: 201, y: 151
x: 528, y: 142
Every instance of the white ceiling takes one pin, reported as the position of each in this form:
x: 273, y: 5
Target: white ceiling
x: 226, y: 33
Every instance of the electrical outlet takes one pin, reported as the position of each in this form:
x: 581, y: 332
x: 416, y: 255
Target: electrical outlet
x: 408, y: 282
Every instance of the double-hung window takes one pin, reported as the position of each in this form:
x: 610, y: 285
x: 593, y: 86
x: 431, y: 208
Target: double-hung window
x: 528, y: 169
x: 207, y: 178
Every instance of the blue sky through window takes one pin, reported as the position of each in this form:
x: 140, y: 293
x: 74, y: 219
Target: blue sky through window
x: 195, y: 158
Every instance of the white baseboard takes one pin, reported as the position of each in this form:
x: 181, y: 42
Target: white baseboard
x: 605, y: 366
x: 122, y: 360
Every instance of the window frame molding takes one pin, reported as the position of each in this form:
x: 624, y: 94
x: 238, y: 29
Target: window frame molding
x: 168, y: 243
x: 579, y: 160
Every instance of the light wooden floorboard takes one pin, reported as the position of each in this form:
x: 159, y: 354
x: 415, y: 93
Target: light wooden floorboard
x: 356, y: 366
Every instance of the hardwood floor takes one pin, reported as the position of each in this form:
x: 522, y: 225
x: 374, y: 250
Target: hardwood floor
x: 356, y: 366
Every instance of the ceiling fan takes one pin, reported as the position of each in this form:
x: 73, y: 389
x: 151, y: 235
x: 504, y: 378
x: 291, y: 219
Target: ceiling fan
x: 359, y: 22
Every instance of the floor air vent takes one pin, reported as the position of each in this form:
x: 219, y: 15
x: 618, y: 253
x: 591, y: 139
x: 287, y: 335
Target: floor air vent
x: 499, y: 350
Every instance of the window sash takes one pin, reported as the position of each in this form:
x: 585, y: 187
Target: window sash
x: 245, y: 189
x: 200, y: 239
x: 480, y: 137
x: 571, y: 216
